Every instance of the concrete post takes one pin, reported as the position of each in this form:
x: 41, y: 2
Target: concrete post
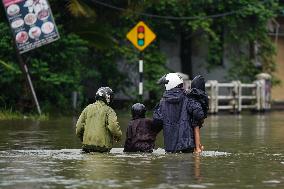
x: 258, y: 95
x: 211, y: 93
x: 239, y: 94
x: 234, y: 93
x: 265, y: 80
x: 216, y: 94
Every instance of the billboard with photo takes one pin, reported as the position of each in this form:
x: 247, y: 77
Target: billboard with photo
x: 32, y: 23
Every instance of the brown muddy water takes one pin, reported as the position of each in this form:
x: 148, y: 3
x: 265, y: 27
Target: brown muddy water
x: 241, y: 151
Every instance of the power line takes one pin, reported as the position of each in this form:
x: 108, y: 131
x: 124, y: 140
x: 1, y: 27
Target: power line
x: 167, y: 17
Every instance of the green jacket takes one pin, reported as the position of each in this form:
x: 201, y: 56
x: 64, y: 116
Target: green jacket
x: 97, y: 125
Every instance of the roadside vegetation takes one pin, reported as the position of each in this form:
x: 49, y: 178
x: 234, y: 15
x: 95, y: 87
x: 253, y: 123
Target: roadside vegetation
x: 93, y: 50
x: 15, y: 115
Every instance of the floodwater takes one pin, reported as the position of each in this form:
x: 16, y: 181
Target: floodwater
x: 241, y: 151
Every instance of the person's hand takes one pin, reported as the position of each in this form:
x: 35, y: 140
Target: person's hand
x: 198, y: 149
x: 116, y: 139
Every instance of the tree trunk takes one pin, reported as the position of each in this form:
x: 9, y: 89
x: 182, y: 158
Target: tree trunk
x: 185, y: 54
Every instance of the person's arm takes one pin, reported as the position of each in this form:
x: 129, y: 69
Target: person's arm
x: 113, y: 126
x: 80, y: 125
x: 157, y: 124
x: 198, y: 146
x: 127, y: 144
x: 197, y: 121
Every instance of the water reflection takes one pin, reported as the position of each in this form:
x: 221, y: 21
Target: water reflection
x: 261, y: 125
x: 197, y: 168
x: 117, y: 169
x: 155, y: 171
x: 212, y: 122
x: 241, y: 151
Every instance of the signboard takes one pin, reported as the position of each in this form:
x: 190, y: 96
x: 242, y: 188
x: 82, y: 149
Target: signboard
x: 31, y: 22
x: 141, y: 36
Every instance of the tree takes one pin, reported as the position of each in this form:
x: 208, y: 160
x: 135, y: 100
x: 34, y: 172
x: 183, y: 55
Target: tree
x: 84, y: 59
x: 235, y: 26
x: 93, y: 50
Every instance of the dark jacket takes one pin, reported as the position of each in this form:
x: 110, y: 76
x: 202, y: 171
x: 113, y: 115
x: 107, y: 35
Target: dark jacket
x: 199, y: 99
x: 177, y: 115
x: 198, y: 93
x: 140, y: 136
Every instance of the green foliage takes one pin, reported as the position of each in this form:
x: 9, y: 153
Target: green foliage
x: 81, y: 63
x: 15, y: 115
x: 118, y: 64
x: 93, y: 50
x: 58, y: 68
x: 10, y: 79
x: 56, y: 71
x: 246, y: 24
x: 79, y: 8
x: 249, y: 27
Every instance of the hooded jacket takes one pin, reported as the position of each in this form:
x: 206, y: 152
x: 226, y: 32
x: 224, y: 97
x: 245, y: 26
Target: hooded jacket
x: 176, y: 114
x: 97, y: 126
x: 140, y: 136
x: 198, y: 94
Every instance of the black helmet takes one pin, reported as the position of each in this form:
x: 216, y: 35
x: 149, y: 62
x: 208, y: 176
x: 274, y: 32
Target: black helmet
x: 105, y: 94
x: 138, y: 110
x: 198, y: 82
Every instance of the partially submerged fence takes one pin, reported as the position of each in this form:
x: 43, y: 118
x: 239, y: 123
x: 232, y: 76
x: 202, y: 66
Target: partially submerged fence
x: 237, y: 96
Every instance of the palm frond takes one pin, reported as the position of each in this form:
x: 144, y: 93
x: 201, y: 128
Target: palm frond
x: 79, y: 9
x: 98, y: 40
x: 7, y: 66
x: 97, y: 33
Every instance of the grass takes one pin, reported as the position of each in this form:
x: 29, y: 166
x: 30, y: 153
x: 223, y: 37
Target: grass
x: 12, y: 115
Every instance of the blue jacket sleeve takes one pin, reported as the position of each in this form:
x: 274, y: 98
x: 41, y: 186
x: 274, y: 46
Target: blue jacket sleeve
x: 157, y: 119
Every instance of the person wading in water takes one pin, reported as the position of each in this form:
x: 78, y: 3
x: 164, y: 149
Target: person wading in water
x: 177, y: 114
x: 97, y: 126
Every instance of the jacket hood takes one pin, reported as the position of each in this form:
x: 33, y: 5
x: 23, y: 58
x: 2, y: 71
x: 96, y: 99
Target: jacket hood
x: 174, y: 95
x: 198, y: 92
x: 198, y: 83
x: 201, y: 97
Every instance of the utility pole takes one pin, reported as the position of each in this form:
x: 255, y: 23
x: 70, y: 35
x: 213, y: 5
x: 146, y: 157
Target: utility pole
x: 141, y: 62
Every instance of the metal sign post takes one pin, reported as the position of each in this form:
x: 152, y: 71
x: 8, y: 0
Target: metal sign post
x: 25, y: 71
x: 141, y: 36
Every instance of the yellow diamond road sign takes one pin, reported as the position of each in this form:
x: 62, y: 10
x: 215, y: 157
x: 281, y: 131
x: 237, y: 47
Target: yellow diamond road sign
x: 141, y: 36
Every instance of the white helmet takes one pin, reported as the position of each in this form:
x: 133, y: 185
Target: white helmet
x: 171, y: 80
